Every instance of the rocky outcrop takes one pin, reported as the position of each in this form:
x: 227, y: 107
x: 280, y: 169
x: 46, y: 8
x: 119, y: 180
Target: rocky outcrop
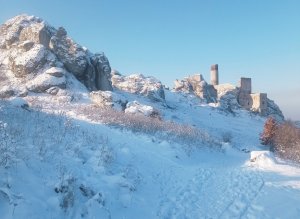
x: 139, y: 84
x: 137, y: 108
x: 23, y: 62
x: 91, y: 69
x: 53, y: 77
x: 32, y: 46
x: 108, y: 99
x: 197, y: 85
x: 38, y: 33
x: 69, y: 53
x: 274, y: 110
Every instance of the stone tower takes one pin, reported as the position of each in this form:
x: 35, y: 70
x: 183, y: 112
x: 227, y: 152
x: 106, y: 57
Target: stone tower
x: 214, y: 74
x: 245, y: 85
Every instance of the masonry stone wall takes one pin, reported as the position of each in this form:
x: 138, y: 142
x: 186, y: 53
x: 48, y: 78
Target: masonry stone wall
x: 252, y: 101
x: 214, y: 74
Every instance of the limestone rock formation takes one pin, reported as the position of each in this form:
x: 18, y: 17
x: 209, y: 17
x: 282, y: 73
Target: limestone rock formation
x: 137, y: 108
x: 69, y: 53
x: 29, y: 47
x: 274, y: 110
x: 197, y: 85
x: 44, y: 81
x: 108, y: 99
x: 23, y: 63
x: 139, y: 84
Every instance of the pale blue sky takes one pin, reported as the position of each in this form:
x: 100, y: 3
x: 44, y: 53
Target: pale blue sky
x: 172, y: 39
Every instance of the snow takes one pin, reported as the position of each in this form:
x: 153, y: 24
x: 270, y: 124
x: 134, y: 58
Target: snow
x: 105, y: 172
x: 29, y: 58
x: 137, y: 108
x: 56, y: 161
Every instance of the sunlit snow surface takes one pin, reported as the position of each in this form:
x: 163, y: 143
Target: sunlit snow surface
x: 77, y: 168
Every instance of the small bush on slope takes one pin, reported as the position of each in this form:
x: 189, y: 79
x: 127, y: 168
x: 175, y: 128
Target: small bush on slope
x: 284, y: 139
x: 267, y: 137
x: 165, y: 130
x: 287, y: 141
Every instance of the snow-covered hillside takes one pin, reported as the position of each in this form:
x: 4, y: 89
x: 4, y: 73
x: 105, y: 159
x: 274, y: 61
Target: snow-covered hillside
x: 135, y: 151
x: 59, y: 164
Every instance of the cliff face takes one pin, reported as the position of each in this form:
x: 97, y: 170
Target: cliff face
x: 29, y: 47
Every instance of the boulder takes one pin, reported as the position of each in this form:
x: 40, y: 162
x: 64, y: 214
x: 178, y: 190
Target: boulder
x: 108, y: 99
x: 102, y: 72
x: 139, y: 84
x: 197, y: 85
x: 23, y: 63
x: 137, y: 108
x: 44, y: 81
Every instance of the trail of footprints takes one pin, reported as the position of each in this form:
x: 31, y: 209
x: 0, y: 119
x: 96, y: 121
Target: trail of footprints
x: 214, y: 193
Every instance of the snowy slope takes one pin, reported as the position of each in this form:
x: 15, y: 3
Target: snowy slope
x: 62, y: 165
x: 139, y: 151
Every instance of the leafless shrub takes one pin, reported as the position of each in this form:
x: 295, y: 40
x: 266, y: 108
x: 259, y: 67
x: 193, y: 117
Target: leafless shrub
x: 283, y: 139
x: 9, y: 142
x: 287, y: 141
x: 166, y: 130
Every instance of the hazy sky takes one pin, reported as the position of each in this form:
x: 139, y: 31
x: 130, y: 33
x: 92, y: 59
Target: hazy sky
x: 172, y: 39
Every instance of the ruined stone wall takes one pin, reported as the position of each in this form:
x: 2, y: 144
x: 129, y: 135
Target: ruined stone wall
x: 259, y: 103
x: 252, y: 101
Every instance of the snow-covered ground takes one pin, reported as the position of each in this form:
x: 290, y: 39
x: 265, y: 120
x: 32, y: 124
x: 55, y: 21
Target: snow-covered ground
x: 59, y: 164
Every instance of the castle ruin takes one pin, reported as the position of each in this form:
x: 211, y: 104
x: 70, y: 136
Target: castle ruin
x: 256, y: 102
x: 251, y: 101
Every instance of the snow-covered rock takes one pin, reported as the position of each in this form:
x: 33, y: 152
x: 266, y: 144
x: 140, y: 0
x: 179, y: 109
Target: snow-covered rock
x: 44, y: 81
x: 274, y: 110
x: 108, y: 99
x: 197, y: 85
x: 135, y: 107
x: 30, y: 46
x: 139, y: 84
x: 23, y: 63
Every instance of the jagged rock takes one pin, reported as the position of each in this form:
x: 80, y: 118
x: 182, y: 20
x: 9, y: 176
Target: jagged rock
x: 135, y: 107
x: 70, y: 53
x: 36, y: 32
x: 227, y: 98
x: 108, y: 99
x: 23, y: 63
x: 274, y: 110
x: 197, y: 85
x: 103, y: 70
x: 139, y: 84
x: 10, y: 31
x: 31, y: 45
x: 44, y: 81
